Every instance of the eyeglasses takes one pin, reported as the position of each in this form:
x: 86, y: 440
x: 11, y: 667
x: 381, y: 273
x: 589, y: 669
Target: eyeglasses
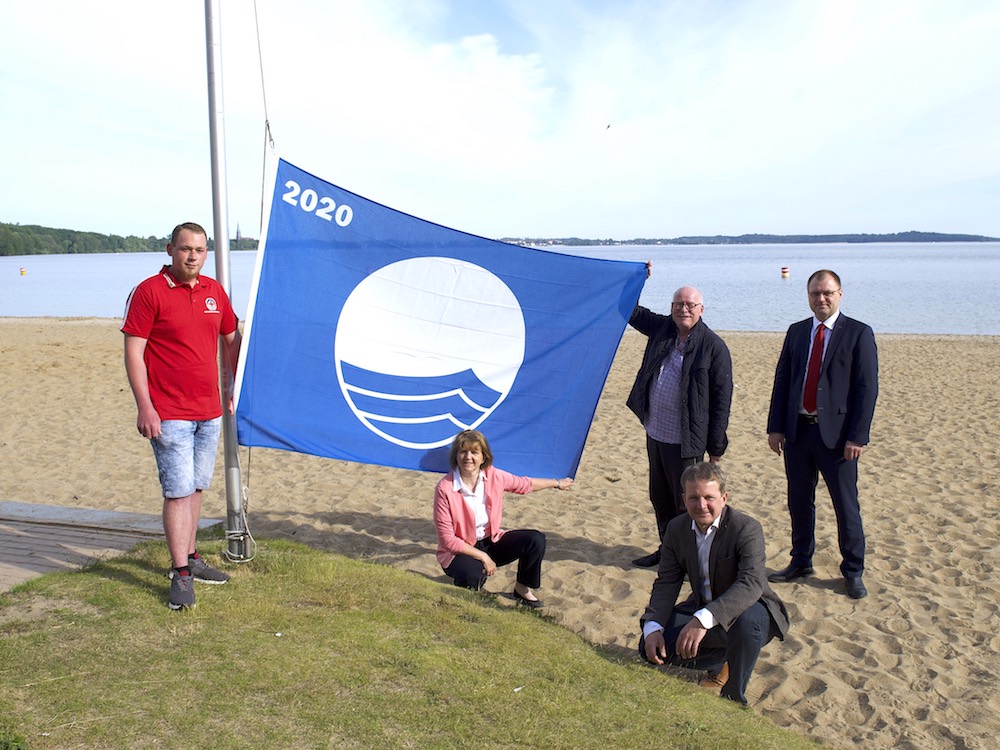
x: 827, y: 294
x: 685, y: 305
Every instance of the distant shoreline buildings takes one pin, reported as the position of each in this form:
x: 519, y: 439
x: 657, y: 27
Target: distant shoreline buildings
x: 760, y: 239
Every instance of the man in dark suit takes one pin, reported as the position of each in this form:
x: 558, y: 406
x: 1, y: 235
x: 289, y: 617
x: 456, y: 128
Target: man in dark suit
x: 732, y: 613
x: 825, y: 387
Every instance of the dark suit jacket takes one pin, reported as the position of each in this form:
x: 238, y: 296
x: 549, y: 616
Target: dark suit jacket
x: 706, y: 381
x: 848, y: 383
x: 735, y: 569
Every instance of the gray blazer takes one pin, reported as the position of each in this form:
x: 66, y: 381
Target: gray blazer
x: 735, y: 570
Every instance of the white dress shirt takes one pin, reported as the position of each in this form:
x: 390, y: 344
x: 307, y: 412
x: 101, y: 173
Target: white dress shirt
x: 704, y: 543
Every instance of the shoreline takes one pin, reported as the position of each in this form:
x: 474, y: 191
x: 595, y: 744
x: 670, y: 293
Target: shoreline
x: 914, y: 665
x: 95, y: 320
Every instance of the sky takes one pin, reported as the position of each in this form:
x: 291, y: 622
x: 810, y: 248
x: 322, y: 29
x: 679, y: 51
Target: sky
x: 602, y: 119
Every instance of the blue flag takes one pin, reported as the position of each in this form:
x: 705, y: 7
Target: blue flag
x: 373, y: 336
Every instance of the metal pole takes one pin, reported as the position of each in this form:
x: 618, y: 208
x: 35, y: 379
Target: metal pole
x: 235, y: 528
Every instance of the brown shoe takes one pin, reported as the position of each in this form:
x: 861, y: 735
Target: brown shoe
x: 716, y: 681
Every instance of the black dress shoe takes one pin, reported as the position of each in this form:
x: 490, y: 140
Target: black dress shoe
x: 533, y: 603
x: 648, y: 561
x: 789, y: 574
x: 856, y: 588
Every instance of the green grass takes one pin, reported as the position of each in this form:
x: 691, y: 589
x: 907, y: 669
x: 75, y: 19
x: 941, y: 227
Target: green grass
x: 306, y: 649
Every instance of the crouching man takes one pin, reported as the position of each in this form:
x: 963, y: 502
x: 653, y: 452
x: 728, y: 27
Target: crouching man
x: 732, y: 612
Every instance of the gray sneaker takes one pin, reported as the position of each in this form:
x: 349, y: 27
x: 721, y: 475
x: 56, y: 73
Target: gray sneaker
x: 204, y: 573
x: 181, y: 591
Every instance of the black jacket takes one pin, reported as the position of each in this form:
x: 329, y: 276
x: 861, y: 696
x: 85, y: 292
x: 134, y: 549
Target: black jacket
x: 706, y: 381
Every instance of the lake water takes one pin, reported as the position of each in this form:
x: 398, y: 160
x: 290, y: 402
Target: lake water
x: 951, y: 288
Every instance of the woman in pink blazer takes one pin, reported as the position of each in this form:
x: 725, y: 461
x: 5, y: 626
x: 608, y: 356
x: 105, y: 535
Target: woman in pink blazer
x: 468, y: 506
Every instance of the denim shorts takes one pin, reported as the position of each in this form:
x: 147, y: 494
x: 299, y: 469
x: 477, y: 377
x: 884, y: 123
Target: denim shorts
x: 185, y: 455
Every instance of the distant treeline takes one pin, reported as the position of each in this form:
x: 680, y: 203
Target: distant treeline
x: 764, y: 239
x: 17, y: 239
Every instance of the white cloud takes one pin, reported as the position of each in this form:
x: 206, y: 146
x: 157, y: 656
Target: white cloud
x: 754, y: 116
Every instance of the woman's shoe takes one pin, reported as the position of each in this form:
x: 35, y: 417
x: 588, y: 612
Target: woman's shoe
x: 533, y: 603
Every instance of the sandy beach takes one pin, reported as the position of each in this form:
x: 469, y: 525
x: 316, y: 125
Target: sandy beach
x: 915, y: 665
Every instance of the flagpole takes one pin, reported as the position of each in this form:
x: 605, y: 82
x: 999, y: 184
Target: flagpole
x: 235, y: 528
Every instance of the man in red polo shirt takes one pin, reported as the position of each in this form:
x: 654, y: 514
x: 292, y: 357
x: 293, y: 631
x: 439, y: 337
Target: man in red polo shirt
x: 172, y: 326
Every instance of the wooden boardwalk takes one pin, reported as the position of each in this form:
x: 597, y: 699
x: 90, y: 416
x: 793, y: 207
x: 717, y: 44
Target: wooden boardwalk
x: 39, y: 539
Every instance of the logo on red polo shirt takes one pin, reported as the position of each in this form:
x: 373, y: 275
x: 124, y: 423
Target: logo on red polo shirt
x: 211, y: 306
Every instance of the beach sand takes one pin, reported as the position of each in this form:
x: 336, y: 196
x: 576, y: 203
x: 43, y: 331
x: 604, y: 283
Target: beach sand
x: 915, y: 665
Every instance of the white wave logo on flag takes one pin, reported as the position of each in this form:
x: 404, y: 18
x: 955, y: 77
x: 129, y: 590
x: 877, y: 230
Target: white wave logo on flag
x: 374, y: 337
x: 427, y: 347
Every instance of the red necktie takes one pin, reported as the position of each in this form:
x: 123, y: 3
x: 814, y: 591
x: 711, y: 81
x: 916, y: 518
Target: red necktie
x: 812, y: 377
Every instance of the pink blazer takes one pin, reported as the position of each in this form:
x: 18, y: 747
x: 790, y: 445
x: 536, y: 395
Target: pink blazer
x: 455, y: 520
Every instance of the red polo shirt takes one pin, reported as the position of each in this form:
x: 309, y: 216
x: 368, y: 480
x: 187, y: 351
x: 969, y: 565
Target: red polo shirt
x: 181, y: 325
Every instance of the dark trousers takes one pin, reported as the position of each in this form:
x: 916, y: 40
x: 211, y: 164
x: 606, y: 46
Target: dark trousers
x: 739, y: 646
x: 665, y: 493
x: 805, y: 459
x: 527, y: 546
